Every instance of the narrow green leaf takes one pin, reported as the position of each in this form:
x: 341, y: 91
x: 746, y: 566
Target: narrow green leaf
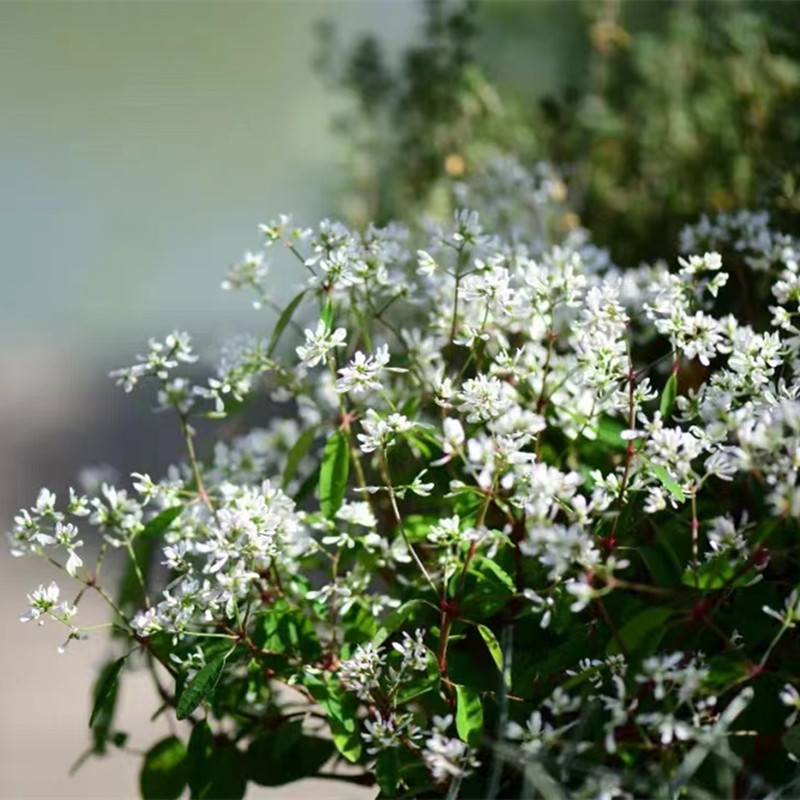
x: 283, y: 321
x: 130, y: 596
x: 495, y: 651
x: 469, y: 715
x: 668, y: 482
x: 295, y: 455
x: 164, y: 772
x: 160, y: 523
x: 668, y: 396
x: 200, y: 687
x: 327, y: 314
x: 106, y: 691
x: 333, y: 475
x: 490, y: 571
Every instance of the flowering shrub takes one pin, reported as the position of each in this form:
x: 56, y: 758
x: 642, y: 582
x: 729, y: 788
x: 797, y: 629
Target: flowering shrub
x: 522, y: 522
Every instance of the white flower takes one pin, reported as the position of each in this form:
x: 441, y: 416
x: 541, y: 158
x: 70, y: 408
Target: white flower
x: 420, y: 488
x: 75, y: 635
x: 427, y: 265
x: 789, y: 696
x: 386, y: 731
x: 467, y: 228
x: 161, y: 358
x: 78, y: 504
x: 413, y: 651
x: 146, y: 623
x: 710, y: 262
x: 357, y: 514
x: 380, y: 432
x: 362, y: 372
x: 791, y: 610
x: 319, y: 343
x: 484, y: 397
x: 361, y: 673
x: 448, y: 758
x: 250, y: 271
x: 44, y: 602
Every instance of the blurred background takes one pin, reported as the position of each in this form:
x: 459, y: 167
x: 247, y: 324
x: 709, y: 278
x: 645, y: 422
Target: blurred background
x: 140, y: 146
x: 141, y: 143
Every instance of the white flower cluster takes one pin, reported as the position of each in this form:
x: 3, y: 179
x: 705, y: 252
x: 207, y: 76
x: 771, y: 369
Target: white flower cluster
x: 43, y: 527
x: 476, y: 401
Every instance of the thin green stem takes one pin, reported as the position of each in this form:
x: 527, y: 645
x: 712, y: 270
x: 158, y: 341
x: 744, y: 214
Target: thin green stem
x: 399, y: 520
x: 193, y: 463
x: 138, y: 571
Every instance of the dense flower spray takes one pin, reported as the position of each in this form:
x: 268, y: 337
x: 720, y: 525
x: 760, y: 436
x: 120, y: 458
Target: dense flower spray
x: 512, y: 523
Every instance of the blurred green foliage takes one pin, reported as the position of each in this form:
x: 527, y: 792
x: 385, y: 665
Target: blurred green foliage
x: 665, y: 111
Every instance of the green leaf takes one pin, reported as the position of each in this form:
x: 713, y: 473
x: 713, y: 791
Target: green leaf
x: 726, y: 670
x: 387, y: 772
x: 469, y: 715
x: 285, y: 754
x: 201, y: 747
x: 718, y: 572
x: 327, y: 314
x: 160, y: 523
x: 609, y: 432
x: 164, y: 772
x: 642, y: 632
x: 224, y: 774
x: 285, y: 630
x: 283, y: 321
x: 333, y: 474
x: 296, y: 454
x: 130, y: 596
x: 487, y: 589
x: 791, y: 740
x: 668, y: 482
x: 200, y: 687
x: 668, y: 396
x: 102, y: 716
x: 346, y: 741
x: 307, y: 486
x: 495, y: 651
x: 422, y: 682
x: 494, y: 573
x: 341, y: 708
x: 409, y: 610
x: 105, y: 695
x: 417, y: 526
x: 661, y: 565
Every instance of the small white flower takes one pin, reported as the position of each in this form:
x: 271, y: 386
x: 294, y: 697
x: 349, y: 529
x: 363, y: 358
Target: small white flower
x: 44, y: 602
x: 789, y: 696
x: 319, y: 343
x: 358, y: 513
x: 427, y: 265
x: 362, y: 372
